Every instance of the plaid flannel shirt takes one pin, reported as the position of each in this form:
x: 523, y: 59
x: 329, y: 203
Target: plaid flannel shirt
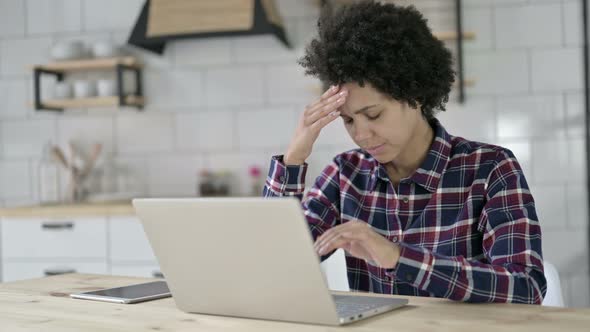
x: 465, y: 220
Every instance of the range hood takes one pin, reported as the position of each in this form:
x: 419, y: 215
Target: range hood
x: 164, y: 20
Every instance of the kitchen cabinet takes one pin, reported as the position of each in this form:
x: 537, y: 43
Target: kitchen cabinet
x: 46, y: 239
x: 128, y: 242
x: 103, y: 239
x: 130, y: 250
x: 37, y: 247
x: 12, y: 271
x: 133, y: 270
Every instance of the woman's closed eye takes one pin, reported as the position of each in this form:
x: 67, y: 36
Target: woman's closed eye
x: 348, y: 120
x: 373, y: 117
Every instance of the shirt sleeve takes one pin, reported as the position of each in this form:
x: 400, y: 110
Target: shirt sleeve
x: 511, y: 244
x: 321, y: 205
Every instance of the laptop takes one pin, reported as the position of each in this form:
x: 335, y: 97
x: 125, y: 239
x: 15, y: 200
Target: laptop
x: 247, y: 257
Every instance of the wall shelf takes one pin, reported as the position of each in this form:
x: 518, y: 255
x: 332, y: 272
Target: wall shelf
x: 113, y: 101
x: 58, y: 69
x: 451, y: 35
x: 91, y: 64
x: 468, y: 82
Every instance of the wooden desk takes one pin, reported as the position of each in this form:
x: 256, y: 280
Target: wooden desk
x: 44, y: 305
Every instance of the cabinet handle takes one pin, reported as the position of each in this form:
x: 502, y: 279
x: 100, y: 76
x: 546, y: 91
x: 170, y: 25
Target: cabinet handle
x: 57, y: 225
x: 157, y: 274
x: 58, y: 271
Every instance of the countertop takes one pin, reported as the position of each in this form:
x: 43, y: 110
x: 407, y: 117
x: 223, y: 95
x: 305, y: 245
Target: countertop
x: 106, y: 209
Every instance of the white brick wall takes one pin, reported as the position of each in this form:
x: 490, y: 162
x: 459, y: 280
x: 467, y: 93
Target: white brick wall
x: 475, y: 120
x: 17, y: 54
x: 202, y: 52
x: 229, y: 103
x: 480, y: 21
x: 503, y: 72
x: 13, y: 16
x: 53, y: 16
x: 15, y: 179
x: 109, y: 14
x: 25, y: 138
x: 533, y: 25
x: 296, y: 90
x: 144, y: 133
x: 272, y: 131
x: 170, y: 88
x: 206, y: 131
x: 517, y: 113
x: 235, y: 86
x: 174, y: 174
x: 76, y: 128
x: 13, y: 93
x: 556, y: 69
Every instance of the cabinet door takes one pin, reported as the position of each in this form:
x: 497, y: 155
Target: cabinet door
x: 128, y: 242
x: 12, y: 271
x: 148, y: 271
x: 42, y: 238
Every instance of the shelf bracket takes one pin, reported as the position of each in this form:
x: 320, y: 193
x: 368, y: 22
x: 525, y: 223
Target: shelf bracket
x: 460, y: 70
x: 37, y: 81
x: 120, y: 69
x: 586, y: 58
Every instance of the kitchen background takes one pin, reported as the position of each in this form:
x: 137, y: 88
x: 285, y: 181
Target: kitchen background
x: 230, y: 103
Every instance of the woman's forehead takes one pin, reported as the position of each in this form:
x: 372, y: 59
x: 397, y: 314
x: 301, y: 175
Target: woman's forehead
x: 360, y: 97
x: 364, y: 94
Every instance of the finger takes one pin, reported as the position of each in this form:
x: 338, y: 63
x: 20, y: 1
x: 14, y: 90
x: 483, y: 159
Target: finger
x: 357, y: 228
x: 325, y: 96
x: 333, y: 245
x: 324, y: 111
x: 320, y: 241
x: 328, y: 234
x: 329, y: 103
x: 330, y: 91
x: 325, y: 246
x: 319, y: 105
x: 321, y: 123
x: 332, y: 233
x: 343, y: 240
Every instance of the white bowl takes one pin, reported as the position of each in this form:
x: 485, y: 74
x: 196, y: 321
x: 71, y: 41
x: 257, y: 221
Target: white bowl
x: 104, y: 49
x: 62, y: 90
x: 84, y: 89
x: 106, y: 87
x: 68, y: 50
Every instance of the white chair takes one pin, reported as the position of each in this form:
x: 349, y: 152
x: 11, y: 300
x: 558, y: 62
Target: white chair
x: 334, y: 269
x: 554, y: 296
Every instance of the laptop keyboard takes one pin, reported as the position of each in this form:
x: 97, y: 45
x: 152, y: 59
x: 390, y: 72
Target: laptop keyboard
x: 347, y: 306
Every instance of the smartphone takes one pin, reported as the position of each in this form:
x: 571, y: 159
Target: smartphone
x: 128, y: 294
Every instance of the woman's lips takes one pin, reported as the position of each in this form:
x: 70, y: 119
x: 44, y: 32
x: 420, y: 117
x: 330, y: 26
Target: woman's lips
x: 376, y: 149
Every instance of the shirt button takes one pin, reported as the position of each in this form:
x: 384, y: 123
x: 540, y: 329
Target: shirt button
x: 282, y: 178
x: 409, y: 277
x: 406, y: 200
x: 394, y: 239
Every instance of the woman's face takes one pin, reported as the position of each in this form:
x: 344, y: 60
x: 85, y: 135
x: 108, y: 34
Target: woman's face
x: 377, y: 123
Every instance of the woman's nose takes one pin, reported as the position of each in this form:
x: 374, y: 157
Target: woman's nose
x: 362, y: 133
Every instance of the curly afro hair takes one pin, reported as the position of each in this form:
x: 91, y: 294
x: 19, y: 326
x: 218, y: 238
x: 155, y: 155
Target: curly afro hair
x: 389, y: 46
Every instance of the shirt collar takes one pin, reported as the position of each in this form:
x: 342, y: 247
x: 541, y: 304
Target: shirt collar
x: 430, y: 171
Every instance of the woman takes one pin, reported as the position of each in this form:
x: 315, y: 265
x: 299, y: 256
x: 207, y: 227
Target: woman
x: 418, y: 211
